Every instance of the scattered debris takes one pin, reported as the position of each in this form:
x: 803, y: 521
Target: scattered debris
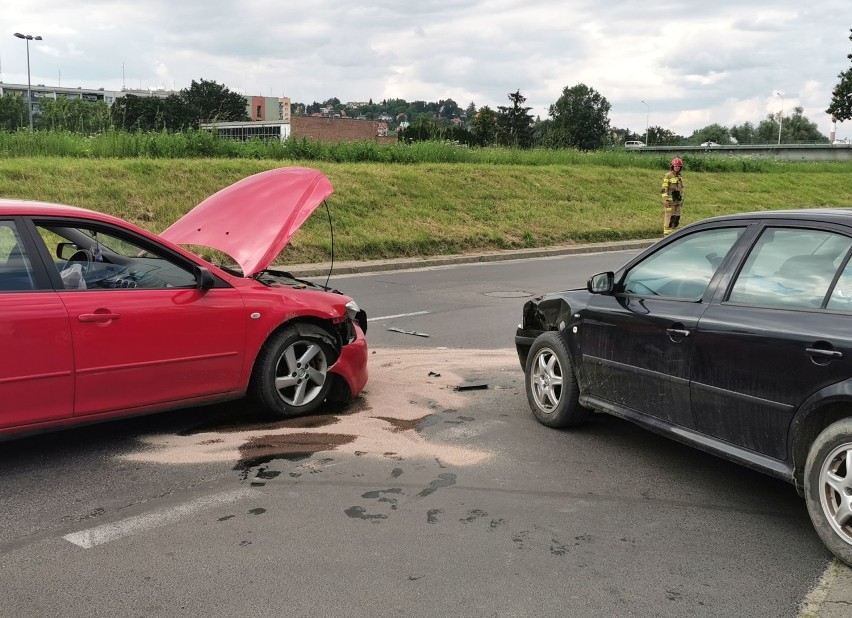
x: 407, y: 332
x: 432, y: 374
x: 470, y: 387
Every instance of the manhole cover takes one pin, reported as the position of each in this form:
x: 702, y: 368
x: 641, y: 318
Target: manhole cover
x: 509, y: 294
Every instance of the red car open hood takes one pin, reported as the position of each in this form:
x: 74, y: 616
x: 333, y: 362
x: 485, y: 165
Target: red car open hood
x: 253, y: 219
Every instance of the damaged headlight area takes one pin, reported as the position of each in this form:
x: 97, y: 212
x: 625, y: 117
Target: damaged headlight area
x: 357, y: 315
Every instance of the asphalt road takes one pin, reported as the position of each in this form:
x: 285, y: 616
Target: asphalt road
x: 415, y: 500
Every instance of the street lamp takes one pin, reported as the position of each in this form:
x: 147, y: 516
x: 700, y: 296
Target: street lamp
x: 28, y: 38
x: 780, y: 116
x: 647, y: 116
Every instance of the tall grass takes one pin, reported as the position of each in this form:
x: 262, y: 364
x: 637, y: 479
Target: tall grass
x: 202, y: 144
x: 382, y: 210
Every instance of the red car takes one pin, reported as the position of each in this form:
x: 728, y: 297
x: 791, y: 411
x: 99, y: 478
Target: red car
x: 99, y: 318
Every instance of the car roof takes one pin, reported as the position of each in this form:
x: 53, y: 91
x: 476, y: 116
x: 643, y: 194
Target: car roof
x: 32, y: 208
x: 29, y: 208
x: 829, y: 215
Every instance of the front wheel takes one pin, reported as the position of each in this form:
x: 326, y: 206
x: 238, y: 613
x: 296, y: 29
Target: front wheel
x: 552, y: 389
x: 828, y: 488
x: 291, y: 372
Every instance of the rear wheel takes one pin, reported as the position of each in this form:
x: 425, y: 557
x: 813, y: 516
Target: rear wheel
x: 828, y: 488
x: 291, y: 373
x: 552, y: 389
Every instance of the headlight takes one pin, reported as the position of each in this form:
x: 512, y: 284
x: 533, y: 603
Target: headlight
x: 354, y: 313
x: 352, y: 310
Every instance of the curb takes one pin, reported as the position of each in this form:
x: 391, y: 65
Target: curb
x: 407, y: 263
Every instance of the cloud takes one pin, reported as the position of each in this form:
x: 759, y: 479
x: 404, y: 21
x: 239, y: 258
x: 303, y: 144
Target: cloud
x: 692, y: 62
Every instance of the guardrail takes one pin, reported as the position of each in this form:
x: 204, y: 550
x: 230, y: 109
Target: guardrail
x: 788, y: 152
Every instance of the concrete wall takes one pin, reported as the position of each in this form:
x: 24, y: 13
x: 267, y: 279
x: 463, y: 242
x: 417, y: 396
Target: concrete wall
x: 333, y: 129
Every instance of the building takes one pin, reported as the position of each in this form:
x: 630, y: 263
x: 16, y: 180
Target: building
x: 268, y: 108
x: 242, y: 131
x: 41, y: 92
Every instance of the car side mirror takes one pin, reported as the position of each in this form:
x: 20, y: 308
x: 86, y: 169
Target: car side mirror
x: 204, y: 278
x: 602, y: 283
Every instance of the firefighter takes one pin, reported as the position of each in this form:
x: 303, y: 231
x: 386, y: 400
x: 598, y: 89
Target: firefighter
x: 672, y: 194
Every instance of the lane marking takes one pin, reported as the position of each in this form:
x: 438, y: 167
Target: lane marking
x: 140, y: 523
x: 398, y: 315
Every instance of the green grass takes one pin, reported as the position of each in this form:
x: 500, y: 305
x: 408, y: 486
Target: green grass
x: 202, y: 144
x: 392, y: 210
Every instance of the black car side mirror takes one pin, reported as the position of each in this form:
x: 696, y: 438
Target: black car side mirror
x: 602, y: 283
x: 204, y: 278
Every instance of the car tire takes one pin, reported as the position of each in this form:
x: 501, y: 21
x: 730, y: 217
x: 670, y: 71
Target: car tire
x: 291, y: 375
x: 551, y: 386
x: 828, y: 488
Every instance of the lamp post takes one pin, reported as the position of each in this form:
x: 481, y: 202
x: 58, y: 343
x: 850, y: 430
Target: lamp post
x: 780, y: 116
x: 647, y: 116
x: 28, y: 38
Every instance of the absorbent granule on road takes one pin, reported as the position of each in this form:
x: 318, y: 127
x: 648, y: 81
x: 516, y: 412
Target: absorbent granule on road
x: 383, y: 422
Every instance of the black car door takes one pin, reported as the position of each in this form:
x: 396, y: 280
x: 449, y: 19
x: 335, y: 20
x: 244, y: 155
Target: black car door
x: 636, y: 344
x: 779, y: 332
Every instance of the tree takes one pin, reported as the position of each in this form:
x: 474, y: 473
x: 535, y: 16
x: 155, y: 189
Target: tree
x: 797, y: 129
x: 580, y: 119
x: 663, y: 137
x: 212, y: 102
x: 746, y: 133
x: 73, y: 114
x: 513, y: 122
x: 484, y: 127
x: 13, y: 112
x: 470, y: 111
x: 841, y: 97
x: 711, y: 133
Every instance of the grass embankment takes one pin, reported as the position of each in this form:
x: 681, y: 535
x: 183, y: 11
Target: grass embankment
x: 384, y: 210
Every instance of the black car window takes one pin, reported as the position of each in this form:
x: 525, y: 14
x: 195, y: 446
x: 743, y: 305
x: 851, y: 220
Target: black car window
x: 790, y: 267
x: 16, y: 273
x: 87, y: 258
x: 841, y: 295
x: 684, y: 267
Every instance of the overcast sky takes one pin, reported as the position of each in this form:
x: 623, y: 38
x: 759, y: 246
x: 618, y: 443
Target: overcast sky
x: 693, y: 63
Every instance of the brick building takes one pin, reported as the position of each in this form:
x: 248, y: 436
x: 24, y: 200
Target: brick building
x: 333, y: 129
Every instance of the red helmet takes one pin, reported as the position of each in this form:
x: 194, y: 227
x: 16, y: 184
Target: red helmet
x: 677, y: 161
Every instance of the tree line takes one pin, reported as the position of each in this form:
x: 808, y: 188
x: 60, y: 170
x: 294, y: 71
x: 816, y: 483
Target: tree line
x: 203, y: 101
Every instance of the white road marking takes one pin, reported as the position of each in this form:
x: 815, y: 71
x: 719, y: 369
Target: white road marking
x: 398, y: 315
x: 140, y: 523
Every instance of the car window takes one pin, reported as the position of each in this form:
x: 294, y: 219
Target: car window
x: 87, y: 258
x: 16, y: 273
x: 790, y: 267
x: 684, y: 267
x: 841, y: 295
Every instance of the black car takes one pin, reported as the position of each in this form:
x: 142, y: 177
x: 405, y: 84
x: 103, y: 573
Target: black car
x: 733, y: 335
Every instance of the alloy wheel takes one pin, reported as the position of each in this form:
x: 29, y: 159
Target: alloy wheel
x: 546, y: 380
x: 835, y: 481
x: 300, y: 373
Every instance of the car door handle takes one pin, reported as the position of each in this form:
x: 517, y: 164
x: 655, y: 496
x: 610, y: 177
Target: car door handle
x: 828, y: 353
x: 98, y: 317
x: 677, y: 332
